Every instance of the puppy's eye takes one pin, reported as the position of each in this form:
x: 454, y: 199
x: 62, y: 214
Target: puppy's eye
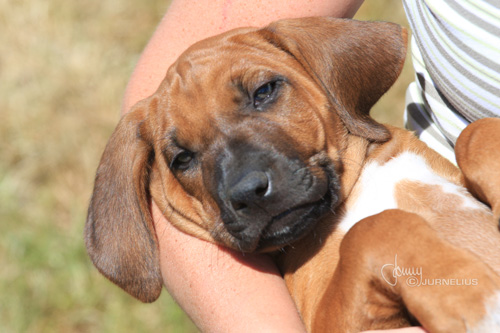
x: 264, y: 93
x: 182, y: 161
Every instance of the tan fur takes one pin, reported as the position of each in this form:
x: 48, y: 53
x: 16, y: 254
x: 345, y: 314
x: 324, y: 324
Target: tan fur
x: 331, y: 71
x: 478, y: 156
x: 308, y: 264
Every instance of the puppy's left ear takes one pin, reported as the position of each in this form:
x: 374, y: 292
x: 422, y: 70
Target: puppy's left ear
x: 355, y: 62
x: 119, y: 232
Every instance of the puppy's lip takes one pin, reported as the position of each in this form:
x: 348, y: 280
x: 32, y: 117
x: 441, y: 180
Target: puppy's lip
x: 280, y: 230
x: 282, y: 216
x: 293, y: 224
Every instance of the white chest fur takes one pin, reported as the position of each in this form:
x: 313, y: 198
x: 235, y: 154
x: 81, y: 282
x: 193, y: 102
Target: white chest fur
x: 375, y: 190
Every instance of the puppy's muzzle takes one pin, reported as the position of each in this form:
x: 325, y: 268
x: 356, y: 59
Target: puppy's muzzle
x: 268, y: 199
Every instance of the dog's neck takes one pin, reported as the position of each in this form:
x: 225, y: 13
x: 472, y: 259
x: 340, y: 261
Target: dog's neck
x: 354, y: 158
x: 358, y: 151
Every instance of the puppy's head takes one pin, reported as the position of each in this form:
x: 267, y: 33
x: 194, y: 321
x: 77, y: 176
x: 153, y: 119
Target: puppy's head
x: 242, y: 143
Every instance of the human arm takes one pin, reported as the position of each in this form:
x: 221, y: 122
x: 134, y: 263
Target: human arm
x: 221, y: 290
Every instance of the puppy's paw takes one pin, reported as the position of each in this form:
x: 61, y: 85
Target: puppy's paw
x: 473, y: 306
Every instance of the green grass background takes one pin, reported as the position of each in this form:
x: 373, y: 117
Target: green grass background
x: 63, y: 70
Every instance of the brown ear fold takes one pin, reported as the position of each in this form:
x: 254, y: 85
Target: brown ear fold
x: 356, y: 63
x: 119, y: 232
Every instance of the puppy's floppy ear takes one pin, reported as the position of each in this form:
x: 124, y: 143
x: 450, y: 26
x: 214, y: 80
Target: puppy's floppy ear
x: 119, y: 232
x: 356, y: 63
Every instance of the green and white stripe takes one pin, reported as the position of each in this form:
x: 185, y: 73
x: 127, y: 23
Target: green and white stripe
x: 456, y: 55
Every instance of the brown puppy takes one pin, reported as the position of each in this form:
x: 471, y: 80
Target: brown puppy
x: 261, y: 138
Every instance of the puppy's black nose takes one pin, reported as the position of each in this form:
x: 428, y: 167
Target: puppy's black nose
x: 249, y: 191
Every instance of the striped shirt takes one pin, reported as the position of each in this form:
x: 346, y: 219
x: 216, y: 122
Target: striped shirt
x: 456, y: 56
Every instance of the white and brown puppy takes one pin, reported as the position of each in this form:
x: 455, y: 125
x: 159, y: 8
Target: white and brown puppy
x: 261, y: 140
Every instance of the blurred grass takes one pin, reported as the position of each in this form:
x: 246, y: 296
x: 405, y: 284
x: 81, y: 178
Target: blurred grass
x: 63, y: 69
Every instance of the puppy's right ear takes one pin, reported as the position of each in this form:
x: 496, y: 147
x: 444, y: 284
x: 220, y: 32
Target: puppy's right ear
x: 119, y: 232
x: 355, y: 62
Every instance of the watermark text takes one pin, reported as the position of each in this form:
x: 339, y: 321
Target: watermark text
x: 415, y: 277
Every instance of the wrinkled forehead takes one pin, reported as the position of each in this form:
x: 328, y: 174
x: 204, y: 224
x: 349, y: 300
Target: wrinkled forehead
x: 212, y: 79
x: 232, y: 59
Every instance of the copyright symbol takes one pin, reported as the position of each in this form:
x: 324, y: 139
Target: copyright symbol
x: 412, y: 281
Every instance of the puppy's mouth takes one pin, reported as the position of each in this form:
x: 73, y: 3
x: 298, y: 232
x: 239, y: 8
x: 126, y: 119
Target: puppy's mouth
x: 293, y: 224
